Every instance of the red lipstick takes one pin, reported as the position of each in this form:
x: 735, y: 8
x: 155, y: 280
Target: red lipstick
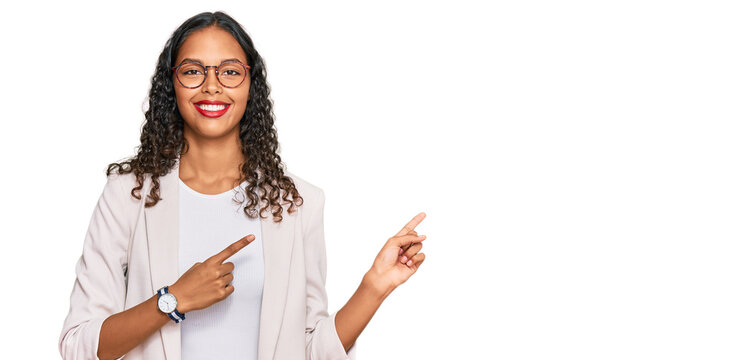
x: 212, y: 113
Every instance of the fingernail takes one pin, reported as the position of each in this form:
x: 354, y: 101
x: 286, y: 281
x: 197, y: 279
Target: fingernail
x: 410, y: 262
x: 400, y: 251
x: 403, y: 259
x: 249, y: 238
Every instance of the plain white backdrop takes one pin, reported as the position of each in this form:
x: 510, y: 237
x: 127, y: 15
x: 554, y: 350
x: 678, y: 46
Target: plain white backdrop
x: 585, y: 166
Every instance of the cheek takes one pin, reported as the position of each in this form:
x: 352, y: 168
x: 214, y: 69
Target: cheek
x: 182, y: 98
x: 241, y: 103
x: 180, y: 95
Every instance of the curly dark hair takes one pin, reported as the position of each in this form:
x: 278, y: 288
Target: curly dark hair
x: 162, y: 140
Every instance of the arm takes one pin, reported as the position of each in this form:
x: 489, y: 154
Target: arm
x: 387, y: 272
x: 100, y: 287
x: 354, y: 316
x: 125, y: 330
x: 322, y: 338
x: 334, y: 337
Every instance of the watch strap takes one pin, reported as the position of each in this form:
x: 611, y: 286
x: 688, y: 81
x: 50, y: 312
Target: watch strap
x: 175, y: 315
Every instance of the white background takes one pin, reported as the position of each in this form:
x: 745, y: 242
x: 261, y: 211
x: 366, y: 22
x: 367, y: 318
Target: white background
x: 585, y: 166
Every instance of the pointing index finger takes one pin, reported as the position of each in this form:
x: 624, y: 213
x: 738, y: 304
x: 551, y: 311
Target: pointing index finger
x: 411, y: 224
x: 231, y: 249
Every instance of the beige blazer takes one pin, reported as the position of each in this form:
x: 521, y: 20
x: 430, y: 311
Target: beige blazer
x: 131, y: 252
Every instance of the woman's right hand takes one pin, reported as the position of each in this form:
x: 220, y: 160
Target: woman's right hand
x: 207, y: 282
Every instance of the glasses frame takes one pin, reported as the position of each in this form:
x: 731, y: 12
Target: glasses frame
x: 217, y: 73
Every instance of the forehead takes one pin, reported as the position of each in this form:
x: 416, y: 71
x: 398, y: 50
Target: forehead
x: 211, y: 46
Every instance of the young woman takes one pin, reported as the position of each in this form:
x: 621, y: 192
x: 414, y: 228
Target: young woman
x: 155, y: 280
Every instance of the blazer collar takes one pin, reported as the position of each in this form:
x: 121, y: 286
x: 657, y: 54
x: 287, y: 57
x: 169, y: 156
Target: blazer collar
x: 161, y: 223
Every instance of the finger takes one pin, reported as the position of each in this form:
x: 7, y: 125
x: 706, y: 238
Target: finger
x: 410, y: 252
x: 407, y: 240
x: 230, y: 250
x: 228, y: 290
x: 226, y: 268
x: 411, y: 224
x: 227, y: 278
x: 417, y: 260
x: 403, y: 248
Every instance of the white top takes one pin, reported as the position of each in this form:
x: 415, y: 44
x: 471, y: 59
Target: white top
x: 228, y: 329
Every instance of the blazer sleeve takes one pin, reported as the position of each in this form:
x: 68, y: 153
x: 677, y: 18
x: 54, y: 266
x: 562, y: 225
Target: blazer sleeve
x: 100, y: 287
x: 322, y: 341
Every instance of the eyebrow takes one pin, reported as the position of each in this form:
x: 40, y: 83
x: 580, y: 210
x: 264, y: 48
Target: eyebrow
x: 199, y: 61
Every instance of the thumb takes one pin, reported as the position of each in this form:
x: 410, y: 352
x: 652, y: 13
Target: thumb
x: 408, y: 239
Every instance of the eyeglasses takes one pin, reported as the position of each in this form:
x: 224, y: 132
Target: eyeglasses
x: 230, y: 73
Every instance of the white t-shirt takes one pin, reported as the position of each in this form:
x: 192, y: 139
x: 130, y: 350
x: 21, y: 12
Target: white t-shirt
x: 228, y: 329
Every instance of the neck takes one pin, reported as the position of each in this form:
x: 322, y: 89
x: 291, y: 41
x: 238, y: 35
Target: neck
x: 210, y: 161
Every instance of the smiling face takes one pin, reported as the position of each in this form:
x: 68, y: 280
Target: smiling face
x: 211, y: 46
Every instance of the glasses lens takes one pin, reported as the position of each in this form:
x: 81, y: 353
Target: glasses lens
x: 190, y: 74
x: 231, y: 74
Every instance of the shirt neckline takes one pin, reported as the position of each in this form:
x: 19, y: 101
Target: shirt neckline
x: 211, y: 196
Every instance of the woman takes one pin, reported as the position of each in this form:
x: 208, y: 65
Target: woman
x: 154, y: 279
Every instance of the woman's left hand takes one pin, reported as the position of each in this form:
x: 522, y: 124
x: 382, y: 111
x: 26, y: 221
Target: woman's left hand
x: 399, y: 258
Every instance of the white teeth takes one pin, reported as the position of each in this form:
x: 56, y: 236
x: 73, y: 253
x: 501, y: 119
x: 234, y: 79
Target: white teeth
x: 207, y: 107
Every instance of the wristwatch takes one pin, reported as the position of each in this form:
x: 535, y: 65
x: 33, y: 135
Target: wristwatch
x: 169, y: 304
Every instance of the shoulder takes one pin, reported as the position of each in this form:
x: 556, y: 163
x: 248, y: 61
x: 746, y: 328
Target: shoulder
x: 116, y: 209
x: 119, y: 187
x: 306, y: 189
x: 312, y: 209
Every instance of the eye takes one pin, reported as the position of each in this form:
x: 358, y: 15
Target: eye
x: 231, y: 72
x: 191, y: 72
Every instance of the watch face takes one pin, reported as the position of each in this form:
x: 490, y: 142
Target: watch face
x: 167, y: 303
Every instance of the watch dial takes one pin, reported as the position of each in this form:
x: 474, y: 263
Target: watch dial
x: 167, y: 303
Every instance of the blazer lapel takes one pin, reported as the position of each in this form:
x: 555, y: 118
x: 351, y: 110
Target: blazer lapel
x: 277, y: 241
x: 162, y: 239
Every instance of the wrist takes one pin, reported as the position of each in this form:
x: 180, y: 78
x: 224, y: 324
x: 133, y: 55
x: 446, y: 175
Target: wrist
x: 376, y: 285
x: 167, y: 302
x: 183, y: 306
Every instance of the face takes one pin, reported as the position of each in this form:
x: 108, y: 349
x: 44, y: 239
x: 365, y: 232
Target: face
x: 211, y: 46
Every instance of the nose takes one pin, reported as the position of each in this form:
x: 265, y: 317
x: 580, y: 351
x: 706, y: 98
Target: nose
x: 211, y: 83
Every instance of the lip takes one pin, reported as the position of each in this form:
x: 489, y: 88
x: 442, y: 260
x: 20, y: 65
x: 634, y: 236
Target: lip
x: 212, y: 114
x: 212, y: 102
